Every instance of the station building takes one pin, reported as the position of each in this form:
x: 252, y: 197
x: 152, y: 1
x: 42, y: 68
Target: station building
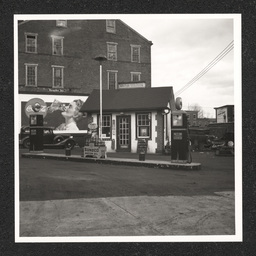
x: 56, y: 59
x: 130, y: 115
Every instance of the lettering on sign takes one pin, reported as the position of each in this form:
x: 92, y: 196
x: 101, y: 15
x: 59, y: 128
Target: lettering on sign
x: 131, y: 85
x: 142, y: 146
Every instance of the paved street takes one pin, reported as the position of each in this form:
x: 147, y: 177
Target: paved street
x: 62, y: 198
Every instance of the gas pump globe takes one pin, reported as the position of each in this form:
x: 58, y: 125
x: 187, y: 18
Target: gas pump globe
x: 180, y: 144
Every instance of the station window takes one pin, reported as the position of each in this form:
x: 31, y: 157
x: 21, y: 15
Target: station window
x: 57, y: 76
x: 31, y: 42
x: 31, y: 74
x: 112, y: 51
x: 111, y: 26
x: 143, y: 122
x: 106, y: 126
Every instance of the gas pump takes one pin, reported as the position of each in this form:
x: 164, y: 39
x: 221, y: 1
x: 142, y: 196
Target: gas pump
x: 36, y: 132
x: 180, y: 143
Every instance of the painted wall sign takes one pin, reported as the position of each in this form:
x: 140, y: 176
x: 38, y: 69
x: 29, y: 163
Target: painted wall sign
x: 36, y: 106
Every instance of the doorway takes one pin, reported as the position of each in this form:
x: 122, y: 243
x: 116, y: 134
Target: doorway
x: 124, y: 133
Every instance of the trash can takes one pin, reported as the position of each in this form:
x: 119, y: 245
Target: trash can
x: 68, y: 152
x: 142, y: 156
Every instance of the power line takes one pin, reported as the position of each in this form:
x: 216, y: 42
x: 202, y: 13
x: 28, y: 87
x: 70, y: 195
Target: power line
x: 208, y: 67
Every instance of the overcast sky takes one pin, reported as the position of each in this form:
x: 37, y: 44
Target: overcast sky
x: 182, y: 47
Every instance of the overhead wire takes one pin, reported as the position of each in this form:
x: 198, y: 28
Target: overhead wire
x: 220, y: 56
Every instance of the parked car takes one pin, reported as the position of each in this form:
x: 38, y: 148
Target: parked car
x: 50, y: 140
x: 223, y: 145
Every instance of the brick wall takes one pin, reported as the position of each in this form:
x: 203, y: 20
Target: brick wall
x: 82, y: 41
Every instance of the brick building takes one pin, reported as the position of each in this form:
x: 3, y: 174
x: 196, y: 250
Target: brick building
x: 56, y: 58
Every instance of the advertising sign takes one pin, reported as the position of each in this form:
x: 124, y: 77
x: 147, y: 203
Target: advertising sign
x: 61, y: 116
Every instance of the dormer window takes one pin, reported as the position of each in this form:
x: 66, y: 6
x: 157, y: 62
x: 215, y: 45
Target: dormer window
x: 61, y: 23
x: 111, y: 26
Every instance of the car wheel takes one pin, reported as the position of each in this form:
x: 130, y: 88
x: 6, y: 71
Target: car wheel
x: 58, y: 139
x: 26, y: 143
x: 69, y: 144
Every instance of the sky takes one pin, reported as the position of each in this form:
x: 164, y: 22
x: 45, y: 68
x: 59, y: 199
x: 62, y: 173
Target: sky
x: 182, y: 47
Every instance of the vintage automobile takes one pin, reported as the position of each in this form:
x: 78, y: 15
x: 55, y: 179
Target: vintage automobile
x: 223, y: 145
x: 50, y: 139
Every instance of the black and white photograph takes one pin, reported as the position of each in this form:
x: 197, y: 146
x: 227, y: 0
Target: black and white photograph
x: 128, y: 128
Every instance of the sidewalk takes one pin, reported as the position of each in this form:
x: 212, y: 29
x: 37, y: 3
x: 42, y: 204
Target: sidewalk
x: 130, y: 216
x: 132, y: 159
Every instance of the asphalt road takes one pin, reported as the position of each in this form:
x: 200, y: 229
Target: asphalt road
x: 44, y: 179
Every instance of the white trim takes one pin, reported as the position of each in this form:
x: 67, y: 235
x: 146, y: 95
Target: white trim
x: 115, y: 72
x: 132, y: 47
x: 107, y: 27
x: 62, y: 76
x: 26, y: 73
x: 135, y: 73
x: 26, y: 44
x: 112, y: 44
x: 62, y: 44
x: 61, y: 26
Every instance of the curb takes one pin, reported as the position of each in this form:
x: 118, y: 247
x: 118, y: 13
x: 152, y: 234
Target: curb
x: 116, y: 161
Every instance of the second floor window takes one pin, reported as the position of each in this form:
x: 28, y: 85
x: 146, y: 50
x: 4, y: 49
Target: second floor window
x: 57, y: 76
x: 135, y: 53
x: 31, y: 43
x: 111, y: 26
x: 31, y: 74
x: 112, y: 51
x: 112, y: 80
x: 135, y: 76
x: 57, y: 45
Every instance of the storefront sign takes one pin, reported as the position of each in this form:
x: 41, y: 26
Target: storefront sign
x: 131, y: 85
x: 94, y: 151
x: 142, y: 146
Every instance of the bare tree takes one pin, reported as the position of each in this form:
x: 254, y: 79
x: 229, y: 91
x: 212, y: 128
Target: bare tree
x: 198, y: 108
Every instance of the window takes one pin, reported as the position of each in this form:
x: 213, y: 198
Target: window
x: 61, y: 23
x: 135, y: 53
x: 57, y: 74
x: 31, y: 74
x: 112, y: 79
x: 57, y: 45
x: 111, y: 26
x: 31, y: 42
x: 135, y: 76
x: 194, y: 116
x: 112, y: 51
x: 143, y: 125
x: 106, y: 126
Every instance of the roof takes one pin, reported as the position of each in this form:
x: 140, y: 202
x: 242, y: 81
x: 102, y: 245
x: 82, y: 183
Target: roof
x: 225, y: 106
x: 156, y: 98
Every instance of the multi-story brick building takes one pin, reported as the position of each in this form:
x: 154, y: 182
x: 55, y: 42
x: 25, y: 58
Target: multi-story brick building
x: 56, y: 58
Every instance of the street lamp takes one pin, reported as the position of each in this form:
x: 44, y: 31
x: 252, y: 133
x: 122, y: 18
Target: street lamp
x: 100, y: 59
